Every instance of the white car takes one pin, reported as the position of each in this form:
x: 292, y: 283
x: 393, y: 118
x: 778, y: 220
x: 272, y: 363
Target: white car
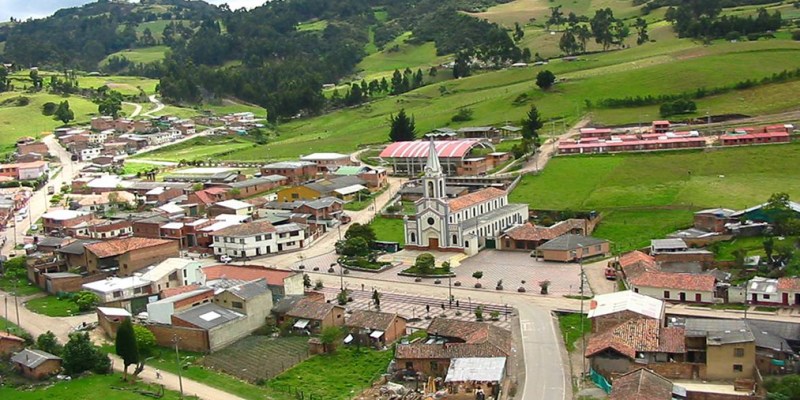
x: 226, y: 259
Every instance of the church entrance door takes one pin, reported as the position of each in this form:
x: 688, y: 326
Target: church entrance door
x: 433, y: 243
x: 491, y: 244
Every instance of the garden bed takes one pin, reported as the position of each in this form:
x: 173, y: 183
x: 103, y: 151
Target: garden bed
x: 363, y: 264
x: 434, y: 273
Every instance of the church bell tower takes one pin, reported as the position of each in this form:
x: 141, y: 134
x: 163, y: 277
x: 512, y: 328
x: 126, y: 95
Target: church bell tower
x: 433, y: 180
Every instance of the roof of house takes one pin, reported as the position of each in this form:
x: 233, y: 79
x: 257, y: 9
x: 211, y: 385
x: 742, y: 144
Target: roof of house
x: 54, y: 241
x: 116, y: 247
x: 471, y: 199
x: 792, y: 206
x: 247, y: 273
x: 77, y: 247
x: 636, y: 257
x: 286, y: 303
x: 311, y: 309
x: 8, y: 336
x: 419, y: 149
x: 233, y: 204
x: 609, y: 303
x: 531, y: 232
x: 760, y: 284
x: 325, y: 186
x: 289, y: 165
x: 719, y: 331
x: 113, y: 284
x: 258, y: 181
x: 248, y: 229
x: 350, y: 170
x: 768, y: 340
x: 472, y: 333
x: 62, y: 215
x: 668, y: 244
x: 682, y: 281
x: 718, y: 212
x: 174, y: 291
x: 114, y: 311
x: 641, y: 384
x: 375, y: 320
x: 208, y: 315
x: 33, y: 358
x: 571, y: 242
x: 789, y: 284
x: 166, y: 267
x: 249, y: 290
x: 480, y: 369
x: 638, y: 335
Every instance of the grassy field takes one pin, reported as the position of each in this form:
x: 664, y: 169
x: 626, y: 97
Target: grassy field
x: 319, y: 25
x: 644, y: 196
x: 388, y: 230
x: 8, y: 326
x: 202, y: 148
x: 383, y: 63
x: 570, y: 325
x: 53, y: 306
x: 109, y: 387
x: 22, y: 286
x: 29, y: 121
x: 128, y: 85
x: 141, y: 55
x: 157, y: 27
x: 337, y: 376
x: 522, y: 11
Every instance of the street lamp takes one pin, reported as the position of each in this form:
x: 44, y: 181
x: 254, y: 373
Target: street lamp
x: 450, y: 290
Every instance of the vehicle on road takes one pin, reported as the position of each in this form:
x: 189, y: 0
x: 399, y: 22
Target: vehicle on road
x: 51, y: 189
x: 226, y: 259
x: 611, y: 273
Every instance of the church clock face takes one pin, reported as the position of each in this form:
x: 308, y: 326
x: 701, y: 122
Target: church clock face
x: 431, y: 221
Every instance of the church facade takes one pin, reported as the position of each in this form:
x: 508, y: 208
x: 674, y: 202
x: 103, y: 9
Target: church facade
x: 467, y: 223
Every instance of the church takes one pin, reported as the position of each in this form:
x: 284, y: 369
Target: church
x: 467, y: 223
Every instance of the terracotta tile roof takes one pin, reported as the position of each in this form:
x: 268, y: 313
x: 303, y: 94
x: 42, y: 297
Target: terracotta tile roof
x: 247, y: 229
x: 638, y: 335
x: 641, y: 384
x: 636, y: 257
x: 472, y: 332
x: 678, y: 281
x: 530, y: 232
x: 460, y: 203
x: 116, y: 247
x: 247, y: 273
x: 311, y: 309
x: 789, y: 284
x: 169, y: 292
x: 371, y: 320
x: 421, y: 351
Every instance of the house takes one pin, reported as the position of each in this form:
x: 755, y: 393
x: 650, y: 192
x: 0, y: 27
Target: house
x: 410, y: 158
x: 712, y: 220
x: 683, y: 287
x: 642, y: 384
x: 251, y: 298
x: 36, y: 364
x: 149, y: 227
x: 24, y: 171
x: 173, y: 272
x: 345, y: 188
x: 640, y: 341
x: 677, y: 251
x: 206, y: 175
x: 761, y: 213
x: 127, y: 255
x: 207, y: 197
x: 232, y: 207
x: 751, y: 136
x: 327, y: 160
x: 478, y: 132
x: 789, y: 289
x: 309, y: 314
x: 635, y: 262
x: 660, y: 126
x: 280, y: 282
x: 110, y: 318
x: 611, y: 309
x: 103, y: 201
x: 527, y: 237
x: 258, y: 238
x: 320, y: 210
x: 725, y: 346
x: 774, y: 354
x: 374, y: 177
x: 33, y: 147
x: 375, y: 327
x: 452, y: 339
x: 255, y: 186
x: 295, y: 171
x: 571, y: 247
x: 115, y: 289
x: 763, y: 291
x: 10, y: 344
x: 59, y: 220
x: 213, y: 321
x: 161, y: 311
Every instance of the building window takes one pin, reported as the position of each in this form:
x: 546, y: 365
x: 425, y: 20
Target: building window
x: 666, y: 294
x: 237, y: 304
x: 117, y: 294
x: 738, y: 352
x: 431, y: 221
x: 737, y: 368
x: 455, y: 240
x: 766, y: 297
x: 413, y: 237
x: 434, y: 366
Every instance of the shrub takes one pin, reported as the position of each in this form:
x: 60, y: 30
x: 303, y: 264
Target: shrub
x: 49, y: 108
x: 86, y: 300
x: 796, y: 35
x: 425, y: 263
x: 463, y: 114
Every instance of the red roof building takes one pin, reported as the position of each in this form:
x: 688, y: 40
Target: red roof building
x: 683, y: 287
x: 408, y: 158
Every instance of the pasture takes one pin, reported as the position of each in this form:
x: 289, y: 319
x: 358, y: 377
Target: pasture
x: 644, y: 196
x: 87, y: 387
x: 200, y: 148
x: 141, y: 55
x: 245, y: 358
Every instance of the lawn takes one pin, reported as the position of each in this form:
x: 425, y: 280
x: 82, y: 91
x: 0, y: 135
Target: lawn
x: 127, y: 85
x: 109, y: 387
x: 644, y: 196
x: 361, y: 202
x: 388, y: 229
x: 140, y: 55
x: 10, y: 327
x: 314, y: 26
x: 201, y: 148
x: 336, y: 376
x: 132, y: 167
x: 52, y: 306
x: 570, y: 326
x: 22, y: 286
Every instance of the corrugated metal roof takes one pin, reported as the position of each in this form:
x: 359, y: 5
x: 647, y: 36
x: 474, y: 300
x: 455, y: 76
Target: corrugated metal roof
x: 419, y: 149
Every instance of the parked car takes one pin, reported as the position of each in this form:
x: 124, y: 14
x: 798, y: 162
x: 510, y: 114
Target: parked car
x: 226, y: 259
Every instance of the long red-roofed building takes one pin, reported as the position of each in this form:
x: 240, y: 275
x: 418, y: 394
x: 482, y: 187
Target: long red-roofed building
x: 457, y: 157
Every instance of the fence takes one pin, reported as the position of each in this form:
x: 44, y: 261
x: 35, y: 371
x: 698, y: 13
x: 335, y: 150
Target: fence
x: 600, y: 381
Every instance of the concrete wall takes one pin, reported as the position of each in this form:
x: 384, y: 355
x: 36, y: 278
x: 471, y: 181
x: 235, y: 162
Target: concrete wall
x: 293, y: 285
x: 47, y: 368
x: 721, y: 359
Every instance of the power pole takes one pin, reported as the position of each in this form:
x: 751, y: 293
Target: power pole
x: 176, y: 339
x: 16, y: 303
x: 583, y: 334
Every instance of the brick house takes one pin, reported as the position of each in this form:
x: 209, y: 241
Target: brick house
x: 375, y: 327
x: 571, y: 247
x: 295, y: 171
x: 36, y: 364
x: 641, y: 384
x: 327, y: 160
x: 231, y: 207
x: 712, y: 220
x: 789, y: 289
x: 34, y: 147
x: 528, y: 236
x: 161, y: 311
x: 24, y: 171
x: 281, y: 282
x: 149, y: 227
x: 207, y: 197
x: 128, y: 255
x: 59, y: 220
x: 682, y: 287
x: 110, y: 318
x: 255, y: 186
x: 309, y: 314
x: 10, y: 344
x: 461, y: 339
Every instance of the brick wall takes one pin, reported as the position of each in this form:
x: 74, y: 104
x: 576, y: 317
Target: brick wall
x: 141, y: 258
x: 190, y: 339
x: 719, y: 396
x: 679, y: 370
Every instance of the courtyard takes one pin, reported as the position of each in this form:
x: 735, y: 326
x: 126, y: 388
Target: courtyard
x: 511, y: 267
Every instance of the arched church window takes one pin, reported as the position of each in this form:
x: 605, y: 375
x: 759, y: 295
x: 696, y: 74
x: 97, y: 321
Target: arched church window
x: 430, y: 189
x: 413, y: 237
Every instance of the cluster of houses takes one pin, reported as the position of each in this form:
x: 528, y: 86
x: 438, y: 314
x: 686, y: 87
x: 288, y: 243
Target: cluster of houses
x: 30, y: 162
x: 638, y: 348
x: 661, y: 137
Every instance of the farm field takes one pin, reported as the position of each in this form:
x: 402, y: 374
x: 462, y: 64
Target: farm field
x: 127, y: 85
x: 87, y: 387
x: 141, y: 55
x: 201, y: 148
x: 245, y: 358
x: 644, y: 196
x: 336, y: 376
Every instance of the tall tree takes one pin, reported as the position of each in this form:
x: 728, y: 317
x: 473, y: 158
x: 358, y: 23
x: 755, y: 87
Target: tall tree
x: 602, y: 25
x: 125, y: 346
x: 556, y: 17
x: 403, y: 127
x: 64, y: 113
x: 461, y: 67
x: 545, y: 79
x: 518, y: 32
x: 49, y: 343
x: 81, y: 355
x: 568, y: 44
x: 642, y: 36
x: 531, y: 124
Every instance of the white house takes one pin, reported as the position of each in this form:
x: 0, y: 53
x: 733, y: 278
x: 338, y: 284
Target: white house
x: 115, y: 289
x: 258, y: 238
x: 90, y: 153
x: 466, y: 223
x: 763, y: 290
x: 235, y: 207
x: 173, y: 272
x: 161, y: 311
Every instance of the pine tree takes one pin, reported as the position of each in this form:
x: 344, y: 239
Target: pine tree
x: 125, y: 345
x: 418, y: 78
x: 397, y: 82
x: 403, y: 128
x: 531, y: 125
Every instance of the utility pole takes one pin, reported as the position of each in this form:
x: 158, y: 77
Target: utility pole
x: 450, y: 290
x: 583, y: 334
x: 176, y: 339
x: 16, y: 303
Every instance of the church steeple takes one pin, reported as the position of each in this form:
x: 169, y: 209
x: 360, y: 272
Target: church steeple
x: 434, y: 176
